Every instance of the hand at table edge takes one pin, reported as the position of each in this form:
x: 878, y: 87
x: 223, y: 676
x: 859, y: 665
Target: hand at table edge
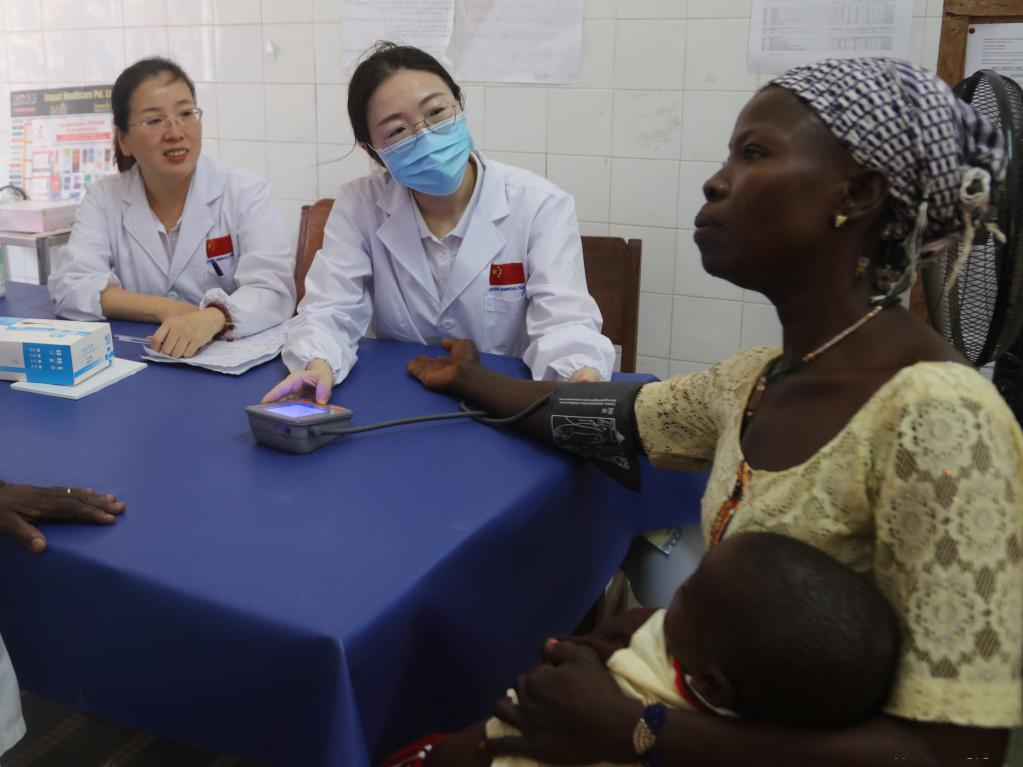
x: 22, y: 506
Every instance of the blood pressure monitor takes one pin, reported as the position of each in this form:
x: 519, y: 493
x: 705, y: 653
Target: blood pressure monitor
x: 301, y: 425
x: 297, y: 426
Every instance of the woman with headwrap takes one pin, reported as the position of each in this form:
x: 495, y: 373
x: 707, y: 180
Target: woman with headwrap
x: 865, y: 435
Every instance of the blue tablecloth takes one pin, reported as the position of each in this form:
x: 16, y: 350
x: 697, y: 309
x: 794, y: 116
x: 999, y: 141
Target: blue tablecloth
x: 299, y: 610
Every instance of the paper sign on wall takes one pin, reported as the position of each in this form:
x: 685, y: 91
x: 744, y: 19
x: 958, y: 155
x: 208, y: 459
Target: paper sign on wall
x: 424, y: 24
x: 61, y: 140
x: 788, y: 33
x: 531, y: 41
x: 523, y: 41
x: 995, y: 46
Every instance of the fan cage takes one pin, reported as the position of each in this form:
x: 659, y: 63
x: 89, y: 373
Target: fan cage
x: 983, y: 312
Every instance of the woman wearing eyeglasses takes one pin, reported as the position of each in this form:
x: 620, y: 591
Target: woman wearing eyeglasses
x: 174, y: 238
x: 446, y: 243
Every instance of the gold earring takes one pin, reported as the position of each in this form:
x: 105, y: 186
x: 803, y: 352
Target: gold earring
x: 840, y: 220
x: 861, y: 265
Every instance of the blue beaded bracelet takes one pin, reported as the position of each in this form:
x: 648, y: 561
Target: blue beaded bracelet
x: 654, y: 716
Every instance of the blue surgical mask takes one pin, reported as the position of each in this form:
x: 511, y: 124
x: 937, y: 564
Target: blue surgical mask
x: 434, y: 162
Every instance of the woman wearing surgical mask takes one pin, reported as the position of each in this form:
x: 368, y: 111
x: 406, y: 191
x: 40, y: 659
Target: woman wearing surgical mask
x: 445, y: 243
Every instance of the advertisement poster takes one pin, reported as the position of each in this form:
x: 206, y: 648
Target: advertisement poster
x: 61, y: 140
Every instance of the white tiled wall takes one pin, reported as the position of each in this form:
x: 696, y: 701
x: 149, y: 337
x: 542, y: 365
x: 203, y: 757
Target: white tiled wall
x: 660, y: 84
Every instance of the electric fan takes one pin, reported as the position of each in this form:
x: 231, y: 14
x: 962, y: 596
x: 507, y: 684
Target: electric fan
x: 982, y: 312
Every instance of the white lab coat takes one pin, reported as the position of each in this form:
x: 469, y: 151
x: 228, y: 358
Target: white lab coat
x: 373, y: 266
x: 115, y: 241
x: 12, y: 726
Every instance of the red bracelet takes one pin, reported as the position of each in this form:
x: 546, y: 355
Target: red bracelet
x: 228, y: 322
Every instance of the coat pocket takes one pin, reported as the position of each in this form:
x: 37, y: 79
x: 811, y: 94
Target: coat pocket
x: 504, y: 323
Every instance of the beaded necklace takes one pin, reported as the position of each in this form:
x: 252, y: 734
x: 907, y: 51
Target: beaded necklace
x: 773, y: 372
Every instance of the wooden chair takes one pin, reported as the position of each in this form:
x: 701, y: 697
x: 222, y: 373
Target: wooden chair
x: 612, y: 277
x: 310, y: 238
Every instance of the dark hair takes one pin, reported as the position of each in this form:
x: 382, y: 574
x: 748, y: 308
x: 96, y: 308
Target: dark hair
x: 124, y: 88
x: 386, y: 60
x: 803, y: 639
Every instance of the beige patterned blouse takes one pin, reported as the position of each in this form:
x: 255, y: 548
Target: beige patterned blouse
x: 923, y: 488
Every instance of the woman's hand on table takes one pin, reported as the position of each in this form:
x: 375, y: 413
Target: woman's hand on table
x: 585, y: 375
x: 570, y: 711
x: 317, y: 375
x: 184, y: 334
x: 21, y: 506
x: 443, y: 373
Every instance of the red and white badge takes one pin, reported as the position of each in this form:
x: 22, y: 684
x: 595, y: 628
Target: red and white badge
x: 217, y: 249
x: 507, y: 276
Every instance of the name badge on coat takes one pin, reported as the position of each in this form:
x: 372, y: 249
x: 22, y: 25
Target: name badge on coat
x: 507, y: 277
x: 219, y: 249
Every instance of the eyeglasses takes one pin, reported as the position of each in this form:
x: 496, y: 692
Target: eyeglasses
x: 187, y: 118
x: 440, y: 118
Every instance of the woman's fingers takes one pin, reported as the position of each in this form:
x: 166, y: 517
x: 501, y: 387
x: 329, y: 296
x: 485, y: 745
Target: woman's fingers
x: 508, y: 746
x: 323, y: 388
x: 291, y: 384
x: 105, y: 502
x: 508, y: 712
x: 89, y: 498
x: 23, y: 505
x: 557, y: 653
x: 157, y: 339
x: 21, y: 530
x: 68, y: 504
x: 423, y: 366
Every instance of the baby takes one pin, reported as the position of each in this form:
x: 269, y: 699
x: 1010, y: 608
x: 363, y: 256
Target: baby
x: 767, y: 628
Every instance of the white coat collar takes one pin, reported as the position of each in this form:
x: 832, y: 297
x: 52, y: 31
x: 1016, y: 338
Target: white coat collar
x: 197, y: 219
x: 400, y: 234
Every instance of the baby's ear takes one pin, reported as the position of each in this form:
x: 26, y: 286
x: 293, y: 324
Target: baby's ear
x: 714, y: 688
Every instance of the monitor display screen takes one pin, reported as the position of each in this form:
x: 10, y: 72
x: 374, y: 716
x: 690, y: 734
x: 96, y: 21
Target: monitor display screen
x: 296, y: 410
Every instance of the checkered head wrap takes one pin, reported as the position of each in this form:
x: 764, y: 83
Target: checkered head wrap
x: 941, y: 157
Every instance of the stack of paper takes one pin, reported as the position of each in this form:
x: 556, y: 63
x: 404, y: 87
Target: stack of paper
x: 231, y: 357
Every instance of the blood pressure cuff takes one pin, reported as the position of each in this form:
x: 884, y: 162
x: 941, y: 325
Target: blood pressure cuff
x: 598, y: 422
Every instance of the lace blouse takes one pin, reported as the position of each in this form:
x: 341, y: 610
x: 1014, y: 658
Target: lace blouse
x: 922, y: 489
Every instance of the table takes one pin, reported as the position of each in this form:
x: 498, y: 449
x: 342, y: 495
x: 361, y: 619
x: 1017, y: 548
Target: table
x: 41, y: 242
x: 299, y: 610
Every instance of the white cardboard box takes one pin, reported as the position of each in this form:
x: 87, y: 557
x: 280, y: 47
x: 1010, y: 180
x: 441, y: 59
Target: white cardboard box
x: 53, y: 351
x: 34, y: 216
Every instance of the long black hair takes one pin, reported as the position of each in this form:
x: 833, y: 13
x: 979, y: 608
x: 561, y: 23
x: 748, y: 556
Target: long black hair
x: 124, y: 88
x: 387, y: 59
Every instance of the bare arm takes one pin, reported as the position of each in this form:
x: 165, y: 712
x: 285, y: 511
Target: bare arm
x: 717, y: 742
x: 571, y: 712
x: 462, y: 375
x: 184, y: 328
x: 121, y: 304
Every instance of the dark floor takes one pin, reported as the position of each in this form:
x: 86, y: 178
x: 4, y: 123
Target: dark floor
x: 59, y: 736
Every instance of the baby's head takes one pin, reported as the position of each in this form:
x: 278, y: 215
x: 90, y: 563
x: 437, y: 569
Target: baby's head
x: 774, y: 629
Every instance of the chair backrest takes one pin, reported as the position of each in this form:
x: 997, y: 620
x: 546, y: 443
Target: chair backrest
x: 310, y: 238
x: 612, y: 276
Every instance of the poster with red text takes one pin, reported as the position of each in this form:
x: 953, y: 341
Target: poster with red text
x: 61, y: 140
